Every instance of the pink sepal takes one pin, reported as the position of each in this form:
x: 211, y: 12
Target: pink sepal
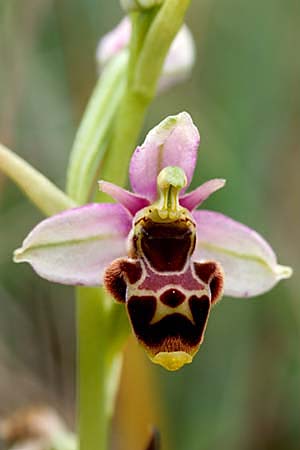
x: 197, y: 197
x: 132, y: 202
x: 74, y: 247
x: 249, y: 263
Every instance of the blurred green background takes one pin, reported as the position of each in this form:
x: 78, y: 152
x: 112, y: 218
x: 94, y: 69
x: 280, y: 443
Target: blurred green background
x: 243, y: 390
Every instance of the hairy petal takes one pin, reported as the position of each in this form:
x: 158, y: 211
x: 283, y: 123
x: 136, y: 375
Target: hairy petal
x: 196, y: 197
x: 132, y: 202
x: 74, y: 247
x: 174, y: 142
x: 249, y: 263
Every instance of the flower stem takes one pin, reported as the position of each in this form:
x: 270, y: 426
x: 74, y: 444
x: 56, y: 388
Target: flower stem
x: 99, y: 364
x: 92, y: 424
x: 148, y: 60
x: 162, y: 32
x: 132, y: 110
x: 93, y: 134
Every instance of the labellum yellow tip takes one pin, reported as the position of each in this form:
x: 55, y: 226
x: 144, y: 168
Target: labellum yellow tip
x: 172, y: 360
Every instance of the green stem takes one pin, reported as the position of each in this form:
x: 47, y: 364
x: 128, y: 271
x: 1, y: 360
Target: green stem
x: 41, y: 191
x: 99, y: 356
x: 99, y: 368
x: 141, y: 87
x: 92, y: 378
x: 129, y: 122
x: 94, y: 131
x: 162, y: 32
x: 140, y: 23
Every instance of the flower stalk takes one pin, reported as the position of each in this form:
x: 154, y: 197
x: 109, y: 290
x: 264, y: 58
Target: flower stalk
x: 146, y: 62
x: 99, y: 364
x: 166, y: 25
x: 95, y: 129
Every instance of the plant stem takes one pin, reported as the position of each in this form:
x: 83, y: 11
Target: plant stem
x: 148, y: 60
x: 94, y: 131
x: 129, y: 122
x: 162, y: 32
x: 91, y: 386
x: 99, y: 364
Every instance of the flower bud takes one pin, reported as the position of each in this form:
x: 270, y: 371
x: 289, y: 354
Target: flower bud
x: 136, y: 5
x: 179, y: 61
x: 113, y: 42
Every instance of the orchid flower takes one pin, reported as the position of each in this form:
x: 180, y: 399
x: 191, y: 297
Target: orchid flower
x: 166, y: 261
x: 179, y: 61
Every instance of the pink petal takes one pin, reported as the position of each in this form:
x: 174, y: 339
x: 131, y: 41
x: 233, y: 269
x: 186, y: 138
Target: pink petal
x: 179, y: 61
x: 174, y: 142
x: 248, y: 261
x: 196, y: 197
x: 74, y: 247
x: 132, y: 202
x: 113, y: 42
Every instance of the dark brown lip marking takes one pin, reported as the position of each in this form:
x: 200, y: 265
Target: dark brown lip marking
x: 172, y: 298
x: 200, y: 307
x: 167, y: 245
x: 141, y: 309
x: 173, y: 332
x: 205, y: 270
x: 211, y: 272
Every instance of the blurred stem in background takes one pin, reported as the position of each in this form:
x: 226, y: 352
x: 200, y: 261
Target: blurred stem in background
x: 136, y: 394
x: 15, y: 49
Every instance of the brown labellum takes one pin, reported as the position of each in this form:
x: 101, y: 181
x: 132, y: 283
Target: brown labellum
x: 167, y: 295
